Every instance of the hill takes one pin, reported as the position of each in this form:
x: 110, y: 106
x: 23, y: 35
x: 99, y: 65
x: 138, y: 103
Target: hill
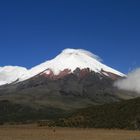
x: 123, y: 115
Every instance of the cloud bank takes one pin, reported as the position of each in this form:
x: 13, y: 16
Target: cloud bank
x: 131, y: 83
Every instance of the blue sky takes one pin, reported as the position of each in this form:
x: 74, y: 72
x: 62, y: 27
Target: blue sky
x: 32, y: 31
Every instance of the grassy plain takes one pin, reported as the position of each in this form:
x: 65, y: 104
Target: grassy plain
x: 33, y: 132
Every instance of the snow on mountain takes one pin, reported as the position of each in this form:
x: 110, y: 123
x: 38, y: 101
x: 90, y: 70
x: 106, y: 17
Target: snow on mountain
x: 69, y: 59
x: 9, y: 74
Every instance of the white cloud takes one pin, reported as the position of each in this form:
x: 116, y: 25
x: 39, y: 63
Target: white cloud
x: 68, y: 50
x: 131, y: 83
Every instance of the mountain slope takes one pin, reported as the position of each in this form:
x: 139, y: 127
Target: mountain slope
x: 69, y: 92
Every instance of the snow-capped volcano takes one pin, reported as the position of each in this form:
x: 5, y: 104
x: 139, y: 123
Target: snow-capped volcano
x: 71, y: 59
x: 68, y: 59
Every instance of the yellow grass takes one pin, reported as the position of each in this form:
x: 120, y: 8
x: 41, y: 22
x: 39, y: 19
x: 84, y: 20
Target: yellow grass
x: 31, y: 132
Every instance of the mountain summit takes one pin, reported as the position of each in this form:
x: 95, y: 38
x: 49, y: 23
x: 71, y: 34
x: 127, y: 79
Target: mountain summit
x: 65, y: 63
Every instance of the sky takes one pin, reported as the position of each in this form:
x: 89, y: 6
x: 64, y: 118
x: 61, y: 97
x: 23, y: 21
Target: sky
x: 33, y: 31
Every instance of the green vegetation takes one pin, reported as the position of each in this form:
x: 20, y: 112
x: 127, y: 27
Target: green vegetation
x: 123, y: 115
x: 12, y: 112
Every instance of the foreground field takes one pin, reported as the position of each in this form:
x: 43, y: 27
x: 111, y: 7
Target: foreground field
x: 44, y: 133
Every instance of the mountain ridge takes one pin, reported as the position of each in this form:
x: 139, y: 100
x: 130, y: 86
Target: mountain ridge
x: 64, y: 63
